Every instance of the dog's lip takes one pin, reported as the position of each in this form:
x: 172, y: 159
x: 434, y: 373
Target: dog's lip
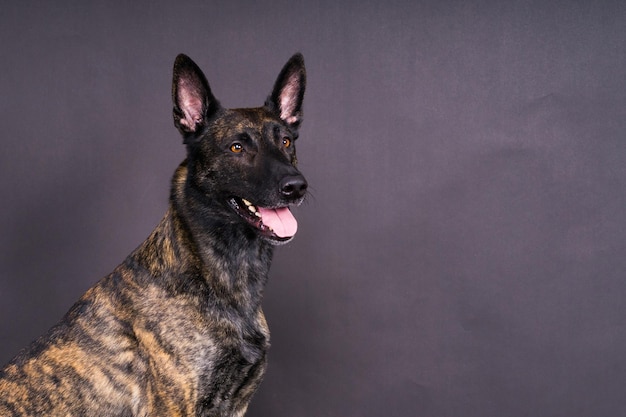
x: 253, y: 214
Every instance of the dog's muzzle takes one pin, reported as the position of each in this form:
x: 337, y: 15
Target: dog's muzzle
x: 276, y: 222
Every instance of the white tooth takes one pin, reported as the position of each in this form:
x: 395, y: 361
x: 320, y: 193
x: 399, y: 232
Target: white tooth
x: 252, y: 208
x: 256, y: 213
x: 246, y: 202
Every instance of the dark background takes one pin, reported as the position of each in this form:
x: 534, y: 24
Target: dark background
x: 463, y: 250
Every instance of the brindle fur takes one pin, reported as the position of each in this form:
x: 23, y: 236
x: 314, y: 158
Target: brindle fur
x: 177, y: 329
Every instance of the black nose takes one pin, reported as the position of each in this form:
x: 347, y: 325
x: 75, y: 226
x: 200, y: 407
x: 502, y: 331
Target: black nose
x: 293, y: 186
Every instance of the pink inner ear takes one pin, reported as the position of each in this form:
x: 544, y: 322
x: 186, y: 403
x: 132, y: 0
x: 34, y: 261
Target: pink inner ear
x: 289, y: 99
x: 190, y: 104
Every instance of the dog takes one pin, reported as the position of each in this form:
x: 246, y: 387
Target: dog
x: 177, y: 329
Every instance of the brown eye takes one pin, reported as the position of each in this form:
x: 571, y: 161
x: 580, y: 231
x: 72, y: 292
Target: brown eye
x: 286, y: 142
x: 236, y: 148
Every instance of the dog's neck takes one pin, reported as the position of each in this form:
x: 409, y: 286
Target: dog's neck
x: 188, y: 246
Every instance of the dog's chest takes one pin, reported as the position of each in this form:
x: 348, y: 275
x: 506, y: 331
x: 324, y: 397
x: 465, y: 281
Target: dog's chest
x: 232, y: 368
x: 215, y: 361
x: 233, y: 373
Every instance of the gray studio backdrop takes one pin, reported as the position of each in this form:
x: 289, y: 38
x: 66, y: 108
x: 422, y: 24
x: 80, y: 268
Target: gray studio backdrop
x: 463, y: 249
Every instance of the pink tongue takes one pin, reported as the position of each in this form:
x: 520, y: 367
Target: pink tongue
x: 280, y: 220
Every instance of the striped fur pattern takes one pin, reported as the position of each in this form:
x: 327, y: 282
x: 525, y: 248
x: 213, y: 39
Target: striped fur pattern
x: 177, y: 329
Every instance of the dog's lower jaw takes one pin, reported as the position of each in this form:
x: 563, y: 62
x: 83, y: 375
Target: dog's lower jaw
x: 277, y: 241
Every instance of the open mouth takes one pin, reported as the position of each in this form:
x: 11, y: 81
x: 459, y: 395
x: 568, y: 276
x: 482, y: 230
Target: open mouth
x: 276, y: 223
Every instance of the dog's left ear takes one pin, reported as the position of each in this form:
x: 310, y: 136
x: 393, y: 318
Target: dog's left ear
x: 286, y: 98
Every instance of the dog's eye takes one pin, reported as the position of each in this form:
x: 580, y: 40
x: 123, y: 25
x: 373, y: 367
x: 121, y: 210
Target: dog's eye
x: 286, y: 142
x: 236, y: 147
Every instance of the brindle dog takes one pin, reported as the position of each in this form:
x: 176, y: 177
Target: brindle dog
x: 177, y: 329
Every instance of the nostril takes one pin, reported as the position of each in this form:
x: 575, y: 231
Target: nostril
x: 293, y: 186
x: 288, y: 189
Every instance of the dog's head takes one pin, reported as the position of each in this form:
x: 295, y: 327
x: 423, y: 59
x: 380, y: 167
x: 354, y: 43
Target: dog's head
x: 243, y: 161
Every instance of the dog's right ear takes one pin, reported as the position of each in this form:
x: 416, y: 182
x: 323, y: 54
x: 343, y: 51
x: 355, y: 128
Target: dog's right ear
x: 193, y: 101
x: 288, y: 93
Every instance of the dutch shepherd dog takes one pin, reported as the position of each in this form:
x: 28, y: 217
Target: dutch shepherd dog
x: 177, y: 329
